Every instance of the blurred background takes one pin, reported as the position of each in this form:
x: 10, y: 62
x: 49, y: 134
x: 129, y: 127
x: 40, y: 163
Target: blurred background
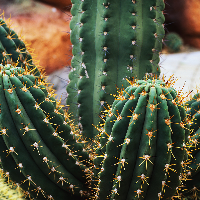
x: 45, y: 25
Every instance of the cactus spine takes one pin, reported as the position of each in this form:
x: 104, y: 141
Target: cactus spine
x: 112, y: 40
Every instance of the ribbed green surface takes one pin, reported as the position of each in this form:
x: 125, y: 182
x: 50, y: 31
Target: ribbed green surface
x: 72, y: 88
x: 29, y: 124
x: 145, y: 136
x: 113, y: 41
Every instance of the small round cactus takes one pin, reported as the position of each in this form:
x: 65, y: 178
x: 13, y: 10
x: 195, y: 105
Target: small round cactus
x: 143, y: 144
x: 191, y: 184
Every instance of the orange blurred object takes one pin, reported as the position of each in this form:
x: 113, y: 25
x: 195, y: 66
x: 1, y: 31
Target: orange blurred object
x: 62, y: 4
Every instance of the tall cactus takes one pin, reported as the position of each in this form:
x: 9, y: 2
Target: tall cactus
x: 112, y: 40
x: 144, y: 146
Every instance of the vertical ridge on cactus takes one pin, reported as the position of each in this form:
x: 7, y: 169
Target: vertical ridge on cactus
x: 112, y: 40
x: 76, y: 59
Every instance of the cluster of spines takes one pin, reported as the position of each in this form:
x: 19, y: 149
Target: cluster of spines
x: 97, y: 67
x: 115, y: 151
x: 38, y: 132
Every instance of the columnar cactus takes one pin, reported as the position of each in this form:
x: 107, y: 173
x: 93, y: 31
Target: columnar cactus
x: 112, y: 40
x: 144, y: 140
x: 39, y: 148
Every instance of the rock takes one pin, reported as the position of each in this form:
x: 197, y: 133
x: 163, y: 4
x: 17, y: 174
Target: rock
x: 46, y: 28
x: 183, y: 17
x: 59, y: 3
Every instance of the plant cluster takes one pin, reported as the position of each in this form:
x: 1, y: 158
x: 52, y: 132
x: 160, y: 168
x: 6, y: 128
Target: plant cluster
x: 138, y: 142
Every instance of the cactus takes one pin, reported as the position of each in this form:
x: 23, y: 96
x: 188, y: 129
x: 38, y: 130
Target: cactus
x: 13, y: 50
x: 143, y: 143
x: 112, y: 40
x: 191, y: 185
x: 143, y: 151
x: 173, y: 42
x: 38, y: 142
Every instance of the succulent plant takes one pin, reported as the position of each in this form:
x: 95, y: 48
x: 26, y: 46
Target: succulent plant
x: 144, y: 138
x: 145, y: 150
x: 173, y: 42
x: 13, y: 50
x: 191, y: 185
x: 112, y: 40
x: 38, y: 146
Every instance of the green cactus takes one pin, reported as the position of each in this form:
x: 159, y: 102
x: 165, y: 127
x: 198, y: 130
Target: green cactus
x: 173, y: 42
x: 191, y: 185
x: 112, y: 40
x: 8, y: 189
x: 39, y: 142
x: 13, y: 50
x: 144, y: 147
